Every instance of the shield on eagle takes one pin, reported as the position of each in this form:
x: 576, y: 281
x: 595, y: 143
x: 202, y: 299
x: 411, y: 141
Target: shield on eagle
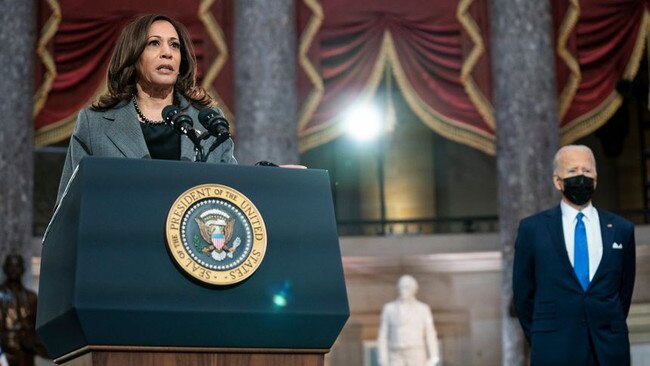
x: 218, y: 240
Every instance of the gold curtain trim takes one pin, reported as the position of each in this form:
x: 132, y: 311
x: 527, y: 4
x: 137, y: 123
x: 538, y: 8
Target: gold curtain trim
x: 55, y: 132
x: 566, y: 28
x: 331, y: 129
x: 306, y: 39
x: 47, y: 33
x: 219, y: 39
x: 481, y: 103
x: 637, y: 52
x: 591, y: 121
x: 443, y: 125
x: 594, y: 119
x: 62, y: 129
x: 316, y: 139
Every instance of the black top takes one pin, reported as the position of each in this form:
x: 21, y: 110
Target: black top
x: 162, y: 141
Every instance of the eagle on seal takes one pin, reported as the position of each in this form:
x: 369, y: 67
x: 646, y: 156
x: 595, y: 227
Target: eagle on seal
x: 216, y: 228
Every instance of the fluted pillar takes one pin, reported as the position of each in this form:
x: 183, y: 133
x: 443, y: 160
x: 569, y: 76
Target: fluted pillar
x: 527, y: 132
x: 16, y: 127
x: 265, y: 81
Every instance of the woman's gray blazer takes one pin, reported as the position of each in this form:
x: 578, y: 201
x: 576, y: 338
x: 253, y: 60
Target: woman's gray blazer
x: 117, y: 133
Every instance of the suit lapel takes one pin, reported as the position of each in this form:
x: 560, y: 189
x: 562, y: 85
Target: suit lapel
x: 607, y: 230
x: 126, y: 134
x: 557, y: 238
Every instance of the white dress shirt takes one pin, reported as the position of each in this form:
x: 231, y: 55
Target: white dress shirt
x: 594, y: 237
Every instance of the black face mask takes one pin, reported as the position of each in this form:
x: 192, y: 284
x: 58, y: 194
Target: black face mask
x: 579, y: 189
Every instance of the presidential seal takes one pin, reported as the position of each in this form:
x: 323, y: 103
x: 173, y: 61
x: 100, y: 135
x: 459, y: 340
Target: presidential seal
x: 216, y: 234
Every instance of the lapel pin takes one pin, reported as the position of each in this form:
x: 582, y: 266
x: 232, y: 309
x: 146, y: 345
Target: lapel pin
x: 609, y: 225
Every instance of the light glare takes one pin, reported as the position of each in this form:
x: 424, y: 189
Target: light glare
x: 363, y: 122
x: 280, y: 300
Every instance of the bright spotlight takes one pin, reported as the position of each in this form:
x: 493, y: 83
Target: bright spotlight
x: 363, y: 122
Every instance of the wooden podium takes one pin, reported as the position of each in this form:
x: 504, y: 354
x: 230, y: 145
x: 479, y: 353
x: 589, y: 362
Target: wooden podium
x: 111, y: 294
x: 122, y: 356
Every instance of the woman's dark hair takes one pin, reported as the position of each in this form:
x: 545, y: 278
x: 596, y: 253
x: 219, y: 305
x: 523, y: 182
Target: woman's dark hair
x: 122, y: 74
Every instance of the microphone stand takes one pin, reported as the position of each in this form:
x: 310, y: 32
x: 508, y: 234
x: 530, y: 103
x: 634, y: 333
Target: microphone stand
x: 182, y: 124
x: 220, y: 138
x: 198, y: 149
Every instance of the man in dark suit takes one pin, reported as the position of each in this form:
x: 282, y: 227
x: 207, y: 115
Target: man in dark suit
x: 573, y: 273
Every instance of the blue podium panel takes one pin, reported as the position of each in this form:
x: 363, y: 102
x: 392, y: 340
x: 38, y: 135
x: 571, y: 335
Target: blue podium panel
x: 107, y: 277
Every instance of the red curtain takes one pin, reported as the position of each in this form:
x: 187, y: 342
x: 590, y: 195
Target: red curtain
x: 436, y: 62
x: 437, y: 51
x: 599, y: 43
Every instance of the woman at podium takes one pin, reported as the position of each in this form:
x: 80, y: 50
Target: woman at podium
x: 152, y: 72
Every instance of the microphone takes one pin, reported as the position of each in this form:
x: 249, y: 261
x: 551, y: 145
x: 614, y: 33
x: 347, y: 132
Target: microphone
x: 182, y: 123
x: 216, y: 123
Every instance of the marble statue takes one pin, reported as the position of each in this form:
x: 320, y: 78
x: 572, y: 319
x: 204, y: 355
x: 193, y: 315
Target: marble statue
x: 407, y: 335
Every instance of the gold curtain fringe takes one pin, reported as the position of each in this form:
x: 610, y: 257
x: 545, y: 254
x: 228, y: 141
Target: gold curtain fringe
x: 590, y: 122
x: 444, y: 126
x: 482, y: 104
x: 61, y: 130
x: 313, y: 140
x: 47, y: 33
x: 306, y: 39
x: 643, y: 41
x: 566, y: 28
x: 218, y: 38
x: 594, y: 119
x: 633, y: 65
x: 332, y: 128
x: 55, y: 132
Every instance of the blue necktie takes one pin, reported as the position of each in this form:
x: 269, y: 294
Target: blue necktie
x: 581, y: 253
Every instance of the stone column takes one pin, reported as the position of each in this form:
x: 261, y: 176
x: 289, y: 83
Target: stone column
x: 526, y: 107
x: 16, y: 127
x: 265, y: 81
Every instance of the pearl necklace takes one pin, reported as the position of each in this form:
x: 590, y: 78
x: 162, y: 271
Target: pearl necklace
x: 144, y: 119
